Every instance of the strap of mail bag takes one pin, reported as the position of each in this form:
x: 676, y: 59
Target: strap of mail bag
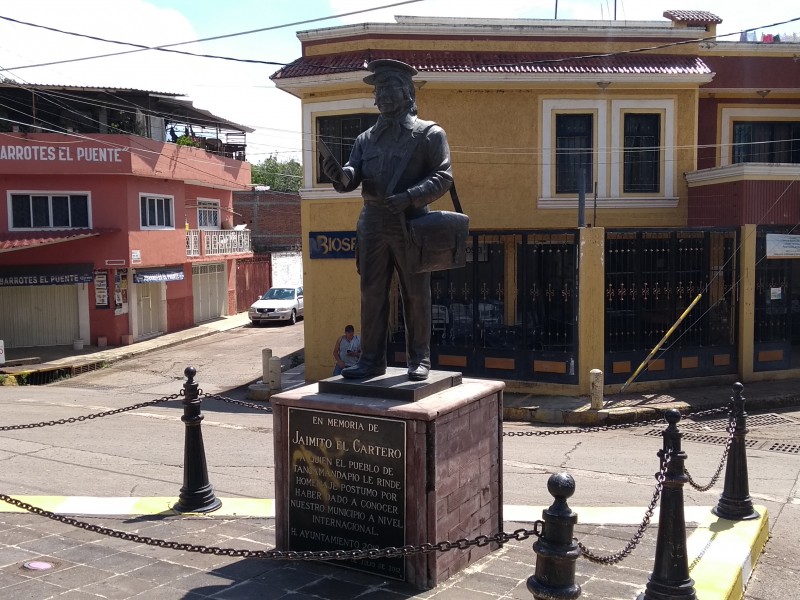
x: 437, y: 240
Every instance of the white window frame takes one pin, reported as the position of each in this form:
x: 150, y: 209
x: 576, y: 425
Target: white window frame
x: 50, y: 195
x: 550, y: 108
x: 171, y: 203
x: 609, y: 141
x: 209, y: 206
x: 667, y: 109
x: 312, y: 110
x: 740, y: 113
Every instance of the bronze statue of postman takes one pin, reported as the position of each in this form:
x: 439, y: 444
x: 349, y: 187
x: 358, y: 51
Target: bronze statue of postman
x: 402, y: 164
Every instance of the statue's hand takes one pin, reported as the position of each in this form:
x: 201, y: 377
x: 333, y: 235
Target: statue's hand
x: 397, y: 203
x: 329, y: 167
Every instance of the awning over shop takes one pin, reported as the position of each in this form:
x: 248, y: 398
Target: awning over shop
x: 21, y: 275
x: 26, y: 240
x: 158, y: 274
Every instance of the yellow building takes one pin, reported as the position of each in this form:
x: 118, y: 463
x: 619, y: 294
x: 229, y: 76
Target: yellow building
x: 535, y: 112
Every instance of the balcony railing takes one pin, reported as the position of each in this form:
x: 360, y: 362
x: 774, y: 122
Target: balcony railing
x: 192, y: 242
x: 214, y: 243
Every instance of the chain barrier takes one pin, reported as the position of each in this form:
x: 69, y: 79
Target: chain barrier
x: 90, y: 417
x: 267, y: 409
x: 502, y: 537
x: 612, y: 559
x: 615, y: 427
x: 389, y: 552
x: 731, y: 429
x: 117, y: 411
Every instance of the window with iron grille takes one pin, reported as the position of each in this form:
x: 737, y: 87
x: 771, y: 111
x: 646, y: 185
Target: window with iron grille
x: 49, y: 211
x: 642, y: 154
x: 208, y: 214
x: 766, y: 142
x: 574, y: 151
x: 156, y: 212
x: 339, y: 133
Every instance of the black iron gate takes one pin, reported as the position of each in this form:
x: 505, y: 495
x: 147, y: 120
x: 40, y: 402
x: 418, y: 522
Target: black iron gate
x: 777, y: 300
x: 652, y: 276
x: 511, y: 313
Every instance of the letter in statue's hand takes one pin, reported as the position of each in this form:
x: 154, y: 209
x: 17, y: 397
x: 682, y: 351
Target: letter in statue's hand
x: 331, y: 166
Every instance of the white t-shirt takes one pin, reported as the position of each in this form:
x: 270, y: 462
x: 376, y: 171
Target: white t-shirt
x: 353, y: 346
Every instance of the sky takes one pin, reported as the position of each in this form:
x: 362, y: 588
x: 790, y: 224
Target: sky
x: 242, y: 92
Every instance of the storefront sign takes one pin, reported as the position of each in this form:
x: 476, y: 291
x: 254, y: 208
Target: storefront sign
x: 46, y: 153
x: 45, y: 275
x: 332, y: 244
x: 347, y: 485
x: 783, y: 246
x: 158, y: 275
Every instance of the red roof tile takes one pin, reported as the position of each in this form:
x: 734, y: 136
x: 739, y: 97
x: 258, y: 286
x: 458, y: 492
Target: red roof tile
x: 691, y: 16
x: 26, y: 240
x: 497, y: 62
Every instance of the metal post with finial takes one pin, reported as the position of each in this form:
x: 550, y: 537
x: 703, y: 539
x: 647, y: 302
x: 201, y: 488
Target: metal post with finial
x: 735, y: 503
x: 670, y: 577
x: 196, y: 495
x: 556, y: 550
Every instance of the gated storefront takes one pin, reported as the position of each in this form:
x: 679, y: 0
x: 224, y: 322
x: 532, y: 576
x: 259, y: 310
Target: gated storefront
x: 510, y: 313
x: 44, y: 305
x: 776, y: 323
x: 652, y: 276
x: 209, y: 291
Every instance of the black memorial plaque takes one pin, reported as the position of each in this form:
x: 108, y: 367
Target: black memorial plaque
x: 347, y: 484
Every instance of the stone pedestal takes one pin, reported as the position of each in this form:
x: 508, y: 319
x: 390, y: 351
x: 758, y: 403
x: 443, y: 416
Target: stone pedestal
x: 388, y: 462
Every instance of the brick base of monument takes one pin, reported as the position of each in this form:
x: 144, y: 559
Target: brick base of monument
x: 368, y: 469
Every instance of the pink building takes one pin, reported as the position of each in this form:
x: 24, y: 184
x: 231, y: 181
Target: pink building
x: 110, y: 232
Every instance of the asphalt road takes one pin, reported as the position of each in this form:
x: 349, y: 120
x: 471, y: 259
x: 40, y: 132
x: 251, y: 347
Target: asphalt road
x: 140, y: 453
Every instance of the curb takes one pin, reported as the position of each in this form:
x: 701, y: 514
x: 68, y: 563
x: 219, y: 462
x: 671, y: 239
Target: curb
x: 584, y: 416
x: 726, y: 553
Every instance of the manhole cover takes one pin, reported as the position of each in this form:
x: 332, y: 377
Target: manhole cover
x: 705, y: 438
x: 764, y: 420
x: 787, y: 448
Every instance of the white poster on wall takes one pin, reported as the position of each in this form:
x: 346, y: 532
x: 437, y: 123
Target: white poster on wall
x: 287, y: 269
x: 783, y: 246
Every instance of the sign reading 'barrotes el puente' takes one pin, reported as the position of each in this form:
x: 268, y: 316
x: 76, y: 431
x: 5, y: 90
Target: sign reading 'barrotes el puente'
x: 347, y: 480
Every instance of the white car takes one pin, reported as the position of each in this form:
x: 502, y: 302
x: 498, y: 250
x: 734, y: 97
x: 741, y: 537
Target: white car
x: 278, y: 304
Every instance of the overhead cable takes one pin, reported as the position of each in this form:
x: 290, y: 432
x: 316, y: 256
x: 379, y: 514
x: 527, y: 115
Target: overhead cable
x: 170, y: 47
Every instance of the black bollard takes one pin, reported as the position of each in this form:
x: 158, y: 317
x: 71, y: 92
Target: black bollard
x: 735, y: 503
x: 556, y: 550
x: 196, y: 495
x: 670, y: 577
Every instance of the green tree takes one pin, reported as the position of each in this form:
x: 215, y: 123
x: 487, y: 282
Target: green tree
x: 281, y: 176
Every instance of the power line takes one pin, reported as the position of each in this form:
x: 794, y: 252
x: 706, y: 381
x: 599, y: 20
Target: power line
x: 170, y: 47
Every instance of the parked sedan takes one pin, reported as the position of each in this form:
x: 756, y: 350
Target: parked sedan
x: 278, y: 304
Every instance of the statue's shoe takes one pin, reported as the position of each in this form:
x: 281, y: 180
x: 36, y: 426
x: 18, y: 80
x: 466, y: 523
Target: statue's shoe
x: 418, y: 372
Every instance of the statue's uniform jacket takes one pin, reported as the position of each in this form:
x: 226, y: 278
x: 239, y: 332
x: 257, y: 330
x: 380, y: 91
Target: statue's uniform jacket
x: 381, y: 239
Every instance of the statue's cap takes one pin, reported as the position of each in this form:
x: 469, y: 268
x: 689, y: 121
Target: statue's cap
x: 388, y: 67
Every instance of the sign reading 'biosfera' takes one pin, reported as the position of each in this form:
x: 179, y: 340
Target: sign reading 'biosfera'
x: 346, y: 491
